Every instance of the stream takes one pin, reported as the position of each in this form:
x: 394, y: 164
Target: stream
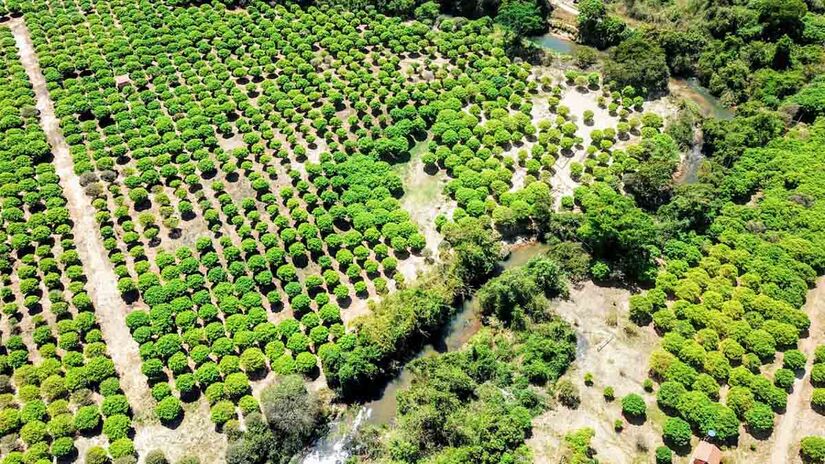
x: 332, y: 448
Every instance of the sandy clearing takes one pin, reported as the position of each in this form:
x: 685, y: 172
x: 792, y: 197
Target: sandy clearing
x: 616, y: 353
x: 195, y: 435
x: 568, y: 7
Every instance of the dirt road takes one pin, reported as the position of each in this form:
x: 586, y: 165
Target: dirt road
x: 786, y: 428
x: 567, y: 6
x: 109, y: 307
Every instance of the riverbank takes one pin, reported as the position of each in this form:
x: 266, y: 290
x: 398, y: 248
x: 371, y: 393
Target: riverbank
x: 382, y: 410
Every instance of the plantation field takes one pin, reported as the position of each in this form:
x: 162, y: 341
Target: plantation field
x: 202, y: 203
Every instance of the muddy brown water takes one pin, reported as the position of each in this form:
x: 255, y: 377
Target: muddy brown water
x: 332, y: 448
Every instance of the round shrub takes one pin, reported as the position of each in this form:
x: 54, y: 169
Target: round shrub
x: 634, y: 405
x: 62, y: 447
x: 122, y: 447
x: 207, y: 374
x: 248, y: 404
x: 783, y: 378
x: 812, y: 449
x: 110, y: 386
x: 253, y: 360
x: 818, y: 399
x: 794, y: 360
x: 87, y: 418
x: 156, y: 457
x: 161, y: 390
x: 222, y: 411
x: 664, y: 455
x: 677, y: 432
x: 34, y: 432
x: 284, y: 365
x: 236, y: 385
x: 186, y: 384
x: 33, y: 411
x: 96, y: 455
x: 305, y: 362
x: 168, y: 409
x: 116, y: 427
x: 759, y: 418
x: 61, y: 425
x: 818, y: 375
x: 115, y: 404
x: 9, y: 421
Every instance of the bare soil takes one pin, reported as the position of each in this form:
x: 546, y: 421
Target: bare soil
x: 194, y: 436
x: 615, y: 351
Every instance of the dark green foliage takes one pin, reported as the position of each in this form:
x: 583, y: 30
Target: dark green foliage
x: 293, y: 416
x: 519, y: 295
x: 598, y: 28
x: 639, y: 63
x: 614, y: 228
x: 524, y: 17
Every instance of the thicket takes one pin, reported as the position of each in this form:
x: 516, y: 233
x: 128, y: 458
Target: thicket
x: 476, y: 404
x: 291, y: 418
x: 767, y: 51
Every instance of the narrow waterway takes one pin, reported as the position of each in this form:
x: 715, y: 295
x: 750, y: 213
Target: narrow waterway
x: 332, y: 448
x: 692, y: 160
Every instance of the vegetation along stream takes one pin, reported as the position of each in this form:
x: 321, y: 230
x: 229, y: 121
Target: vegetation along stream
x: 332, y: 448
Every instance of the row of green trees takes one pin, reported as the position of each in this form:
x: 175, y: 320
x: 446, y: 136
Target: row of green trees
x: 57, y: 381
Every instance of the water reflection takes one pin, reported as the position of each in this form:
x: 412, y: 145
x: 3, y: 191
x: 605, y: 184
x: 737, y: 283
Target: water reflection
x: 692, y: 90
x: 554, y: 43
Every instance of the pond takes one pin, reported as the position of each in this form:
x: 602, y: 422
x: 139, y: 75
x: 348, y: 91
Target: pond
x: 332, y: 448
x: 692, y: 90
x: 554, y: 43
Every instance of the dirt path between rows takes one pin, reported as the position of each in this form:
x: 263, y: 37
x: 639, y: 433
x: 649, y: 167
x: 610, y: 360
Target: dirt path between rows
x: 787, y: 426
x: 109, y: 307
